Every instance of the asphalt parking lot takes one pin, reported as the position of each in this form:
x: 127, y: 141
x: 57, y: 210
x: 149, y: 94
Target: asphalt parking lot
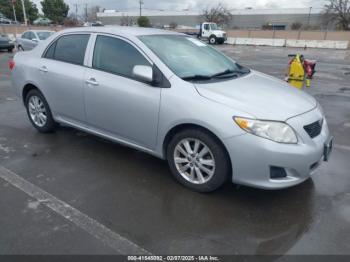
x: 116, y: 195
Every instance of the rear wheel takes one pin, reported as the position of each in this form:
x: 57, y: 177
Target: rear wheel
x: 197, y: 160
x: 39, y: 112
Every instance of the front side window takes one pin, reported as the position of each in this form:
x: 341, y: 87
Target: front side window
x: 192, y: 59
x: 213, y: 27
x: 116, y: 56
x: 69, y: 48
x: 206, y: 27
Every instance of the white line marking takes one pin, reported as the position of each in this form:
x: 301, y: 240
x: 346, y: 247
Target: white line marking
x: 91, y: 226
x: 342, y: 147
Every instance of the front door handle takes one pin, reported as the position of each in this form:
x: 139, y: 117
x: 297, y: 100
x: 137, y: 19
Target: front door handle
x: 92, y: 81
x: 43, y: 69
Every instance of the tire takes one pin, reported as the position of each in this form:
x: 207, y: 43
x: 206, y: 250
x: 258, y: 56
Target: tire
x: 10, y: 50
x: 216, y: 160
x: 39, y: 112
x: 221, y: 41
x: 212, y: 40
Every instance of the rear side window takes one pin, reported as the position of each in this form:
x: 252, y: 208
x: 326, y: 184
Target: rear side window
x: 69, y: 48
x: 51, y: 51
x: 25, y: 35
x: 116, y: 56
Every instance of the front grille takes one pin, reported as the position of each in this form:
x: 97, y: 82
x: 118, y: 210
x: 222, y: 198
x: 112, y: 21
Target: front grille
x: 3, y: 42
x: 314, y: 129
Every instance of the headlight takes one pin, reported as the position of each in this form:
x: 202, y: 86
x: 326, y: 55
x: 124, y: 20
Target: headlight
x: 276, y: 131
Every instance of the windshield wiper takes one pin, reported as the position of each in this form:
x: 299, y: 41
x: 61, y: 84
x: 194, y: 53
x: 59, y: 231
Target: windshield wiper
x: 196, y: 78
x: 225, y: 73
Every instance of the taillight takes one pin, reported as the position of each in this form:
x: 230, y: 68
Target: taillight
x: 11, y: 64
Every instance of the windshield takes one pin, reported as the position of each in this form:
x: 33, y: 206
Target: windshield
x: 191, y: 59
x: 214, y: 26
x: 43, y: 35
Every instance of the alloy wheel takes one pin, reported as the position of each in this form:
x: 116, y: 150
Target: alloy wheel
x: 194, y: 161
x: 37, y: 111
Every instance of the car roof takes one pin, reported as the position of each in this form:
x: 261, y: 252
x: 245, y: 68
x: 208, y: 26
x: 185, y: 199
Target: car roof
x: 38, y: 31
x: 121, y: 30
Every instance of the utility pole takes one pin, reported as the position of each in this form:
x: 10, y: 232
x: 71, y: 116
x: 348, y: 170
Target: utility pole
x: 14, y: 10
x: 141, y: 3
x: 76, y: 11
x: 14, y: 16
x: 86, y: 12
x: 24, y: 14
x: 309, y: 18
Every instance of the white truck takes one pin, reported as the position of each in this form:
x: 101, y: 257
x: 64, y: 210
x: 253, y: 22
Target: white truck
x: 210, y: 32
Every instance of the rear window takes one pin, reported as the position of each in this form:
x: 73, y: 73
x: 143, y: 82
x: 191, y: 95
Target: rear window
x: 43, y: 35
x: 69, y: 48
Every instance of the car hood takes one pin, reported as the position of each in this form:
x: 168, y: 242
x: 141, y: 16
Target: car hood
x: 259, y: 95
x: 219, y: 32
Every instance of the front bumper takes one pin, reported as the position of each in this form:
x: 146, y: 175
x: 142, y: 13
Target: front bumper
x: 252, y: 157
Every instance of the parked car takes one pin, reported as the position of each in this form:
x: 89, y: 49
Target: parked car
x: 30, y: 39
x: 97, y: 23
x: 6, y: 43
x: 42, y: 21
x: 4, y: 20
x: 175, y: 97
x: 210, y: 32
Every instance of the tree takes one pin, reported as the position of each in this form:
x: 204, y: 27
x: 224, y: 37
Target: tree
x: 338, y: 11
x: 56, y: 10
x: 143, y: 21
x: 126, y: 20
x: 219, y: 14
x: 31, y: 10
x: 296, y: 26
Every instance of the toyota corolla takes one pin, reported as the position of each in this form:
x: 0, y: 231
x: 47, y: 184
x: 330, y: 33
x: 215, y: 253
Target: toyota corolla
x: 178, y: 99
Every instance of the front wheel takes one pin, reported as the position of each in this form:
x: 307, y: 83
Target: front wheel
x: 197, y: 160
x: 212, y: 40
x: 39, y: 112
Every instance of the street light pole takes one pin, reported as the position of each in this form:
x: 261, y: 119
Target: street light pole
x: 309, y: 17
x: 24, y: 13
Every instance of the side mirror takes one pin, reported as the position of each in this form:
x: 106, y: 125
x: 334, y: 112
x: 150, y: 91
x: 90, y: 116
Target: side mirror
x: 143, y: 73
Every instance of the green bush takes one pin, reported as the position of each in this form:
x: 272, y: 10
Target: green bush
x: 143, y: 21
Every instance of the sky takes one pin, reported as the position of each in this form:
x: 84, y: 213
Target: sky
x: 191, y: 4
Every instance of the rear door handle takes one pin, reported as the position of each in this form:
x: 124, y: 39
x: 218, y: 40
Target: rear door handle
x: 92, y: 81
x: 43, y: 69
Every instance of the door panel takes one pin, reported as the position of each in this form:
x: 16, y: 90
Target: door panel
x: 122, y: 107
x: 63, y: 83
x: 62, y: 76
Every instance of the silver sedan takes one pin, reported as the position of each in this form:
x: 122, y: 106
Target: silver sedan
x: 178, y: 99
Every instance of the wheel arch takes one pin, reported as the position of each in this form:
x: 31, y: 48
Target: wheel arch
x: 180, y: 127
x: 27, y: 88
